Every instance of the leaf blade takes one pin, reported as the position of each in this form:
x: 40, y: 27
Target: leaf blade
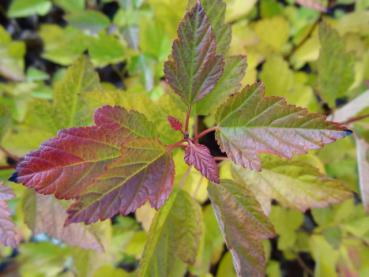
x: 250, y: 123
x: 194, y: 67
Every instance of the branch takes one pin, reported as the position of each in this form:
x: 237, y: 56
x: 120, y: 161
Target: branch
x: 205, y: 132
x: 10, y: 155
x: 356, y: 118
x: 6, y: 167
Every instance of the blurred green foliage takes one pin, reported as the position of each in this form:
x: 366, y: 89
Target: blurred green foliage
x: 319, y: 60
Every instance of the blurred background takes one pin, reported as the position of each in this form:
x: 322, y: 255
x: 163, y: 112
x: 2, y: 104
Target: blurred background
x: 127, y: 41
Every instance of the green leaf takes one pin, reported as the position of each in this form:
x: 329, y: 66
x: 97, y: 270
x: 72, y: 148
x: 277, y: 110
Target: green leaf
x: 250, y: 123
x: 293, y: 183
x: 286, y: 222
x: 194, y: 67
x: 173, y: 238
x: 62, y: 46
x: 5, y: 118
x: 229, y: 83
x: 71, y: 5
x: 277, y: 39
x: 68, y: 107
x: 324, y: 255
x: 286, y: 83
x: 89, y: 21
x: 24, y: 8
x: 334, y: 61
x: 11, y: 57
x: 243, y: 224
x: 106, y: 49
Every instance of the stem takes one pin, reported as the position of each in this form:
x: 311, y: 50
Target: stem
x: 304, y: 266
x: 198, y: 185
x: 220, y: 158
x: 6, y: 167
x: 308, y: 35
x: 178, y: 144
x: 356, y: 118
x: 10, y: 155
x: 205, y: 132
x: 187, y: 121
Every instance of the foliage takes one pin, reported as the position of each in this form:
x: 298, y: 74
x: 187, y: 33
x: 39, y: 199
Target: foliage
x: 142, y: 157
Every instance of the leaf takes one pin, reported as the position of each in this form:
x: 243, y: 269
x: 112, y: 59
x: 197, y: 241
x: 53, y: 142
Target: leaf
x: 173, y: 238
x: 215, y: 11
x: 116, y: 157
x: 250, y: 123
x: 62, y: 45
x: 199, y: 156
x: 11, y: 57
x: 174, y: 123
x: 293, y: 183
x: 229, y: 83
x: 312, y: 4
x: 106, y: 49
x: 90, y: 21
x: 24, y: 8
x: 362, y: 153
x: 243, y: 224
x: 69, y: 107
x: 44, y: 214
x: 194, y: 66
x: 8, y: 233
x: 333, y: 57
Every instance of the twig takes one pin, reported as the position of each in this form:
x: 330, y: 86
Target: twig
x: 205, y: 132
x: 178, y: 144
x: 187, y: 121
x: 308, y: 35
x: 6, y: 167
x: 356, y: 118
x: 220, y: 158
x: 304, y: 266
x: 10, y: 155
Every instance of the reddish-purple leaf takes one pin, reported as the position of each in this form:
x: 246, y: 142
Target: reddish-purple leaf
x: 194, y: 67
x: 114, y: 166
x: 199, y: 156
x: 250, y: 123
x: 174, y: 123
x: 8, y: 234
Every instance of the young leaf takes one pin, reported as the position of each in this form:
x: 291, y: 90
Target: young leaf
x: 173, y: 238
x: 243, y: 224
x: 199, y: 156
x: 293, y: 183
x: 334, y: 61
x: 119, y: 156
x: 44, y: 214
x: 8, y: 234
x: 250, y: 123
x: 194, y: 66
x: 174, y: 123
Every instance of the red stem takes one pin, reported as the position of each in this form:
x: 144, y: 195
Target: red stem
x: 205, y: 132
x: 178, y: 144
x: 356, y: 118
x: 187, y: 121
x: 6, y: 167
x: 10, y: 155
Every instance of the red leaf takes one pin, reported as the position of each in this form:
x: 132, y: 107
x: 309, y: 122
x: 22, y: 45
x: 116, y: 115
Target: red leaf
x: 174, y: 123
x: 114, y: 166
x: 199, y: 156
x: 8, y: 234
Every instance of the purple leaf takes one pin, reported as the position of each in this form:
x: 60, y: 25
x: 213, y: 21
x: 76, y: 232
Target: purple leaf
x: 199, y: 156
